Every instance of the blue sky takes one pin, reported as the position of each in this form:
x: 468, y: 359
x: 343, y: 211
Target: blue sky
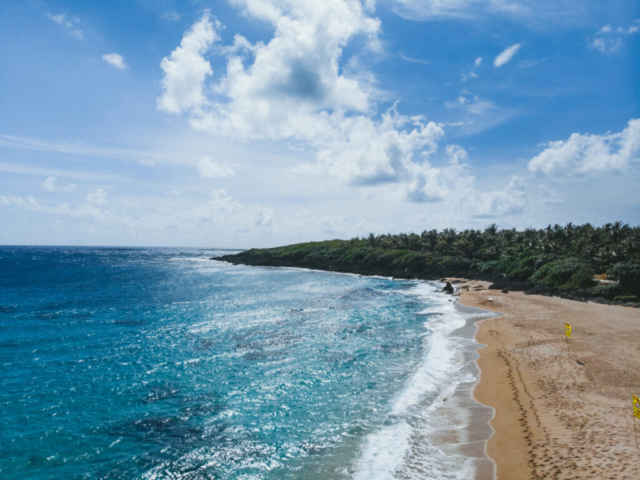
x: 246, y: 123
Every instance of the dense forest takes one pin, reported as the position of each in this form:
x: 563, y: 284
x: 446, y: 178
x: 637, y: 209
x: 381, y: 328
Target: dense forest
x: 575, y: 261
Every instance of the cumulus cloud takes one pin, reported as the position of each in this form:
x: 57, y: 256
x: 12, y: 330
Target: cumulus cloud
x: 293, y: 89
x: 115, y: 60
x: 585, y: 155
x: 69, y: 24
x: 51, y: 185
x: 506, y: 55
x: 451, y: 183
x: 211, y: 169
x: 98, y: 197
x: 185, y: 70
x: 509, y: 201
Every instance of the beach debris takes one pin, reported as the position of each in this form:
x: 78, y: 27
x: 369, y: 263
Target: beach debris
x: 504, y: 290
x: 579, y: 363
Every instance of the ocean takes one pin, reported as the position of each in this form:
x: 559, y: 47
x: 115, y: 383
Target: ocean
x: 123, y: 363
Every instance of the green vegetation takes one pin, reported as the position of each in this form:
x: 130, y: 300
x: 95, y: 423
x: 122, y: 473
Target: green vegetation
x: 561, y: 260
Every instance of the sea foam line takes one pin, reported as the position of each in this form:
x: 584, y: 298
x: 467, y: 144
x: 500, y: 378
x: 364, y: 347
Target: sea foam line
x: 383, y: 452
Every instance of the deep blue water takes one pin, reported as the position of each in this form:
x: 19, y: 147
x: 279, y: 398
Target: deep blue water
x: 120, y: 363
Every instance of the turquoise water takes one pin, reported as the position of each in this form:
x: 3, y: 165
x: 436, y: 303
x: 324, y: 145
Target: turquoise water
x: 159, y: 363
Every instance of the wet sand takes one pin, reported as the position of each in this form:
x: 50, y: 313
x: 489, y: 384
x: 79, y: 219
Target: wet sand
x: 560, y: 412
x: 460, y: 424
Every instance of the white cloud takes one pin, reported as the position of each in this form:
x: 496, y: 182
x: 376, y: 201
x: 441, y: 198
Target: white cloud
x: 510, y: 201
x: 414, y: 60
x: 51, y: 185
x: 25, y: 202
x: 473, y: 105
x: 549, y: 197
x: 450, y: 183
x: 427, y: 9
x: 335, y: 224
x: 211, y: 169
x: 172, y: 16
x: 472, y: 74
x: 609, y: 40
x: 78, y: 149
x: 585, y: 155
x: 146, y: 162
x: 506, y: 55
x: 70, y: 24
x: 185, y: 70
x: 263, y: 217
x: 219, y: 213
x: 292, y: 89
x: 98, y: 197
x: 363, y: 151
x: 607, y: 45
x: 115, y: 60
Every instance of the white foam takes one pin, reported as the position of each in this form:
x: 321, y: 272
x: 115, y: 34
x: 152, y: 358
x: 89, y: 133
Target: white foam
x: 383, y: 453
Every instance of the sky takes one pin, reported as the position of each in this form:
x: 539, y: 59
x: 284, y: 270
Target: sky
x: 256, y: 123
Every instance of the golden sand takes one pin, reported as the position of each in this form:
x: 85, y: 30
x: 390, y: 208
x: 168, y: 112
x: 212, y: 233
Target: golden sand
x: 560, y: 412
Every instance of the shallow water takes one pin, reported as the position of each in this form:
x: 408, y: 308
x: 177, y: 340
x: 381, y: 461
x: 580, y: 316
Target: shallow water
x: 159, y: 363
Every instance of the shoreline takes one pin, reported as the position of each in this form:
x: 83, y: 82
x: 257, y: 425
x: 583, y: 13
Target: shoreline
x: 479, y: 429
x: 444, y: 429
x: 561, y: 410
x: 558, y: 413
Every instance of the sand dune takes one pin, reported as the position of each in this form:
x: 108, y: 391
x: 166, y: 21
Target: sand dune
x: 561, y: 412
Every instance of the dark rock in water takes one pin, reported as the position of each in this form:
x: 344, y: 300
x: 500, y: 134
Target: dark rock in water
x: 448, y: 288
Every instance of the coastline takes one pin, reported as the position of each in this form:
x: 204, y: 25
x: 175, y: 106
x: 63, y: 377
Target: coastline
x: 557, y: 413
x: 478, y: 429
x: 438, y: 428
x: 561, y: 411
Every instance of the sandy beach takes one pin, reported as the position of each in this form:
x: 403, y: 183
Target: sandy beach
x: 561, y: 412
